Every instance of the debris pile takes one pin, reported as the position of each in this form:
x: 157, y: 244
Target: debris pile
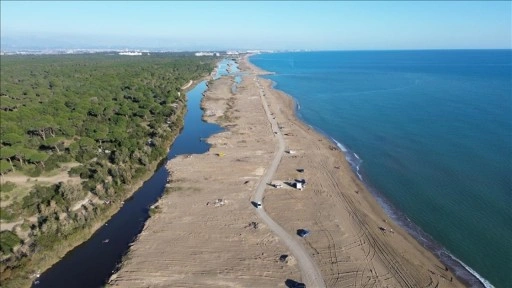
x: 253, y: 225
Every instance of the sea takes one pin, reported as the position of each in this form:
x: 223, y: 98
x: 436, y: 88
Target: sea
x: 430, y: 134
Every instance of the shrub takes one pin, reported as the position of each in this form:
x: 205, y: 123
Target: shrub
x: 8, y: 241
x: 6, y: 214
x: 52, y: 163
x: 7, y: 186
x: 154, y: 210
x: 34, y: 171
x: 139, y: 172
x: 80, y: 170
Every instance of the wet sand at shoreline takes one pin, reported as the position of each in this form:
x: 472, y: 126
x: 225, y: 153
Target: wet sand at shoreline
x: 206, y: 232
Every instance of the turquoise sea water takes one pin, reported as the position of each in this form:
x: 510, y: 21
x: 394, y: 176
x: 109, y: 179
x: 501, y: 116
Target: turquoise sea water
x: 430, y: 132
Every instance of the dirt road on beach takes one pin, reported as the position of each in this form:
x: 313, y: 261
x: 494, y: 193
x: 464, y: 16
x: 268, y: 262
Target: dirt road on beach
x: 310, y: 272
x: 207, y: 233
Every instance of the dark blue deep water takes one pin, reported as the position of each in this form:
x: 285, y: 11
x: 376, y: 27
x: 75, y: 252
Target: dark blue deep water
x: 430, y: 132
x: 92, y: 263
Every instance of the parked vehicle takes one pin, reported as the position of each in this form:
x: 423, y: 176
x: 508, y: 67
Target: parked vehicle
x: 256, y: 204
x: 302, y: 232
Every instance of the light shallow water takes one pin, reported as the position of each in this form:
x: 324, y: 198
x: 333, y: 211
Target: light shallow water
x: 430, y: 132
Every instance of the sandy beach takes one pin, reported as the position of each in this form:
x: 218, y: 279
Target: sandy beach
x: 206, y: 232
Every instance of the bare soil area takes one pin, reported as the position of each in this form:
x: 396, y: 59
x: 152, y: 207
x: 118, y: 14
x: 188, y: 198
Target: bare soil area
x: 206, y: 232
x: 25, y: 183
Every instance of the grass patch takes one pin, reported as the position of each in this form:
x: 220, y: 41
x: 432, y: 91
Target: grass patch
x: 14, y: 192
x: 8, y: 241
x: 154, y: 209
x: 7, y: 187
x: 169, y: 190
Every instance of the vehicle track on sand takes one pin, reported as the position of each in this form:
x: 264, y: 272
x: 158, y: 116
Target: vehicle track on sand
x: 375, y: 245
x: 310, y: 272
x: 333, y: 256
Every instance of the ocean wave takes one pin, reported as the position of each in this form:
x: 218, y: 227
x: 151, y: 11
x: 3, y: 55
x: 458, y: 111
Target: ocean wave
x: 468, y: 276
x: 353, y: 159
x: 343, y: 148
x: 460, y: 269
x: 482, y: 280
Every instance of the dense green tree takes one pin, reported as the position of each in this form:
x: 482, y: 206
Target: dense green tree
x: 70, y: 192
x: 13, y: 139
x: 38, y: 157
x: 8, y: 240
x: 87, y: 143
x: 23, y: 153
x: 4, y: 167
x: 54, y: 142
x: 7, y: 153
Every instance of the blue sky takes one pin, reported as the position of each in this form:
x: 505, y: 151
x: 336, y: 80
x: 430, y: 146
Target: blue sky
x: 260, y: 25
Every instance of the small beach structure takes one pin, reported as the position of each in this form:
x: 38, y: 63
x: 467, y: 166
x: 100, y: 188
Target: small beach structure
x: 300, y: 183
x: 277, y: 185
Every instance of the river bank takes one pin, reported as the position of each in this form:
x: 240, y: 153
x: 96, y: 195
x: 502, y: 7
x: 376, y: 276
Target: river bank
x: 206, y: 231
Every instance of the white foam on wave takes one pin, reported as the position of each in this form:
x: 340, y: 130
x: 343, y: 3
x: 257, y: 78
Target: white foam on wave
x: 353, y: 159
x: 482, y: 280
x: 339, y: 145
x: 359, y: 174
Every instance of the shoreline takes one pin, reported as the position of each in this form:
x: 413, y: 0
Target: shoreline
x: 462, y: 272
x: 385, y: 205
x: 348, y: 242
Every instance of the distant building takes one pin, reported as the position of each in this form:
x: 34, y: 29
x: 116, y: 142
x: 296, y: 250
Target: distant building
x: 204, y: 54
x: 130, y: 53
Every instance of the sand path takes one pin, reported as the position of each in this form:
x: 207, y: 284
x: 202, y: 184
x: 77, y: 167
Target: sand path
x: 310, y: 272
x: 187, y: 85
x: 61, y: 176
x: 31, y: 181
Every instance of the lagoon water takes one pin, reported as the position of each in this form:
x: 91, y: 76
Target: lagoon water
x: 430, y: 132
